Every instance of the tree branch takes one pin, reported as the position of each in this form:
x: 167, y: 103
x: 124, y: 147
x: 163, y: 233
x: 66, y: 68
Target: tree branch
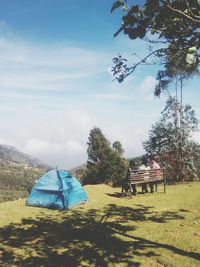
x: 183, y: 14
x: 120, y: 30
x: 131, y: 69
x: 194, y: 15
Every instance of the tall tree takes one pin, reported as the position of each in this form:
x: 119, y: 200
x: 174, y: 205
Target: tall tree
x: 105, y: 164
x: 172, y: 144
x: 117, y: 146
x: 172, y: 30
x: 98, y: 146
x: 98, y: 149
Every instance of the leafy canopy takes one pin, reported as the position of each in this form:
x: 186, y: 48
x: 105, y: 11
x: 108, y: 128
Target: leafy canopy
x: 171, y: 27
x: 173, y: 144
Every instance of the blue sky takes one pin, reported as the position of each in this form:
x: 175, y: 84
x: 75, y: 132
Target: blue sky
x: 56, y: 85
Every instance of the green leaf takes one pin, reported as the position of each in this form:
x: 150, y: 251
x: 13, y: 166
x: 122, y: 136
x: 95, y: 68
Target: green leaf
x: 135, y: 9
x: 116, y: 5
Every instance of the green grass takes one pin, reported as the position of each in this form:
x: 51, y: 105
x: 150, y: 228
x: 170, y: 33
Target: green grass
x: 9, y: 195
x: 147, y: 230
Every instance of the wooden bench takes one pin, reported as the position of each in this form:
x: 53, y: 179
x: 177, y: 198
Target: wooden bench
x: 140, y: 177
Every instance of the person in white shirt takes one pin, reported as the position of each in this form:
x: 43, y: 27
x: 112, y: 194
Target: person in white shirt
x: 143, y: 167
x: 154, y: 166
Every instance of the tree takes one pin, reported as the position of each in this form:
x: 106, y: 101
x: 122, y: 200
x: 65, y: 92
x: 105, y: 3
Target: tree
x: 105, y: 164
x: 117, y: 146
x: 98, y: 146
x: 172, y: 144
x: 172, y: 30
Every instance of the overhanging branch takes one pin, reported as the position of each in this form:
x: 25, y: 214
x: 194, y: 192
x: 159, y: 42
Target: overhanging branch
x: 132, y: 69
x: 183, y: 14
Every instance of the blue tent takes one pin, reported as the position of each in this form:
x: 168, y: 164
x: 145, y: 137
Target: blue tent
x: 57, y: 189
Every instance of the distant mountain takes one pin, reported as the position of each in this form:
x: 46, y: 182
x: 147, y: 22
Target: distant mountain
x: 80, y: 167
x: 11, y: 154
x: 79, y: 171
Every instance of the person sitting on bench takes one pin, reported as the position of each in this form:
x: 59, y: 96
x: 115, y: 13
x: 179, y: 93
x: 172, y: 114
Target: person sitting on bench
x: 133, y: 169
x: 143, y: 167
x: 154, y: 166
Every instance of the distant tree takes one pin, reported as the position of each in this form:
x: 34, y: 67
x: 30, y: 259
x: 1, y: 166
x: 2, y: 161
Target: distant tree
x: 172, y: 144
x: 98, y: 146
x: 104, y: 164
x: 18, y: 178
x: 117, y: 146
x: 114, y: 168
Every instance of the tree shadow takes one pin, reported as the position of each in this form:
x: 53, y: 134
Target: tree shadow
x: 116, y: 194
x: 184, y: 210
x: 81, y: 238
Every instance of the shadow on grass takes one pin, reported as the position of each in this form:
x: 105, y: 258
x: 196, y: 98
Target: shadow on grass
x: 119, y: 194
x: 116, y: 194
x: 80, y: 238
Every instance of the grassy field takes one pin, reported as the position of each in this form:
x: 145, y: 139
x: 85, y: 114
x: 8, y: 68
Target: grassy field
x: 147, y: 230
x: 7, y: 195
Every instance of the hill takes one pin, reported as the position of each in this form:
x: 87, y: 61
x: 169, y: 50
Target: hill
x: 19, y: 170
x: 12, y: 155
x: 79, y: 171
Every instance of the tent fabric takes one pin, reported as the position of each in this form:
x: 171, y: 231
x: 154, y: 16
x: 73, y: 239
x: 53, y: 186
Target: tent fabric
x: 57, y: 189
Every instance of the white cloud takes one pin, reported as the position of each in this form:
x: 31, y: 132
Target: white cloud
x: 46, y: 67
x: 56, y: 137
x: 148, y: 84
x: 35, y: 146
x: 113, y: 96
x: 61, y: 154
